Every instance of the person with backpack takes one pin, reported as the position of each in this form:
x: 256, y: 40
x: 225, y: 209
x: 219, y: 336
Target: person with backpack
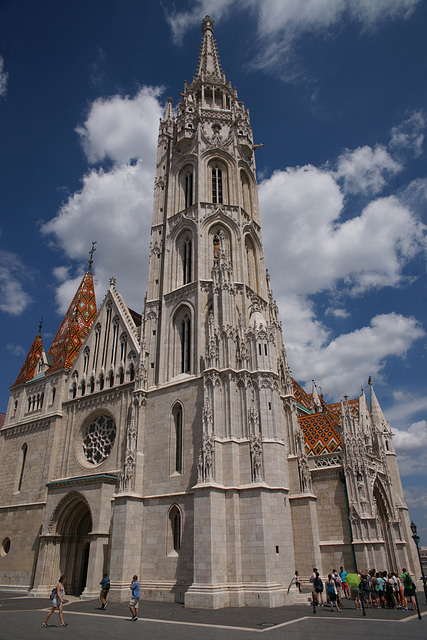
x: 318, y: 588
x: 408, y: 589
x: 57, y: 598
x: 332, y: 593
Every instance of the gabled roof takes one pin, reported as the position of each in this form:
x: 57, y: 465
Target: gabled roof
x: 75, y: 325
x: 29, y: 366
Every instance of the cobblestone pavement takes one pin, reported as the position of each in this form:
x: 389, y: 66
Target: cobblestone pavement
x: 21, y: 616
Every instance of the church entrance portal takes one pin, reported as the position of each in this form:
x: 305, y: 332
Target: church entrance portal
x: 74, y: 527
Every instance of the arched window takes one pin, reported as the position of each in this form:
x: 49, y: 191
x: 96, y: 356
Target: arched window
x: 186, y: 257
x: 216, y: 246
x: 131, y: 372
x: 101, y: 382
x: 86, y: 360
x: 24, y: 457
x: 185, y: 337
x: 177, y: 438
x: 92, y: 384
x: 15, y: 407
x: 188, y: 189
x: 83, y: 386
x: 174, y: 530
x: 111, y: 379
x: 251, y: 264
x: 217, y: 190
x: 121, y: 375
x: 246, y: 193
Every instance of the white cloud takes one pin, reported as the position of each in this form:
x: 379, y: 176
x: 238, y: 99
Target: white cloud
x: 338, y: 313
x: 414, y: 439
x: 365, y: 170
x: 282, y: 22
x: 342, y: 364
x: 122, y: 128
x: 408, y: 136
x: 3, y: 79
x: 365, y: 252
x: 406, y: 407
x: 113, y: 206
x: 16, y: 350
x: 13, y: 276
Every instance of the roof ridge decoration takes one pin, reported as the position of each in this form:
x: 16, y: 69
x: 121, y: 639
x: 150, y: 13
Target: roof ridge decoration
x: 124, y: 308
x: 75, y: 325
x: 33, y: 356
x: 209, y: 64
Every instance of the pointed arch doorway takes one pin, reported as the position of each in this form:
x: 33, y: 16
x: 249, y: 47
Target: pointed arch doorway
x: 74, y: 527
x: 383, y: 509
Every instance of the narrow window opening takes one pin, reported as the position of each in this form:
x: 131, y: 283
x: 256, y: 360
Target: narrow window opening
x: 24, y: 457
x: 178, y: 440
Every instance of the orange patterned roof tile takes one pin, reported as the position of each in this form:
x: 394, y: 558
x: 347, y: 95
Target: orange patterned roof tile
x: 320, y: 433
x: 29, y: 366
x: 301, y: 396
x: 75, y: 325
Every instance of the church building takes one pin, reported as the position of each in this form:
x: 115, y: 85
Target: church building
x: 175, y: 444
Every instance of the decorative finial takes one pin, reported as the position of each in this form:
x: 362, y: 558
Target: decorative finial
x: 370, y: 380
x: 112, y: 282
x: 207, y: 23
x: 40, y: 324
x: 91, y: 252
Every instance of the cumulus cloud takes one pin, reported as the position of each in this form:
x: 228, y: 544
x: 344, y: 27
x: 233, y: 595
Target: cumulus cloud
x: 408, y: 137
x: 341, y: 365
x: 113, y: 206
x: 365, y: 252
x: 3, y: 79
x: 414, y: 439
x: 121, y: 128
x: 282, y: 22
x: 366, y: 170
x: 14, y: 299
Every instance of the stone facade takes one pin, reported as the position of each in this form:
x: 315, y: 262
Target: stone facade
x: 175, y: 444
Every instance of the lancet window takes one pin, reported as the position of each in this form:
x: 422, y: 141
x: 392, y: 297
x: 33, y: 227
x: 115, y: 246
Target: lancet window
x: 217, y: 190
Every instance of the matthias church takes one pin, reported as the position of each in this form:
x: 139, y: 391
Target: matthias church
x: 174, y: 443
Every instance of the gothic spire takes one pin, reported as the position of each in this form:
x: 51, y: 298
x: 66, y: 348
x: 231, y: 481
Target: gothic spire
x: 209, y: 64
x: 29, y: 366
x: 75, y: 325
x: 376, y: 411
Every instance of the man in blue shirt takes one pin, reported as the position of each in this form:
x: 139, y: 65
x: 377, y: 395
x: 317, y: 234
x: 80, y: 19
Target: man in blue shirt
x: 343, y: 576
x: 105, y: 587
x: 134, y: 601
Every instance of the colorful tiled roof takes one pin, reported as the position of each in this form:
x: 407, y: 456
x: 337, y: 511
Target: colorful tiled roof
x: 302, y: 397
x: 75, y: 325
x: 320, y: 433
x: 353, y: 404
x: 29, y: 366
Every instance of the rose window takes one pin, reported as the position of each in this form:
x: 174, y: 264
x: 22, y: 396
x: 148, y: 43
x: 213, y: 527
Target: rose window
x: 99, y: 439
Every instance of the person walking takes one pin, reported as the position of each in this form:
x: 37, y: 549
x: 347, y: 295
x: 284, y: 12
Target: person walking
x: 332, y: 593
x: 134, y: 601
x: 105, y: 587
x: 57, y: 597
x: 343, y: 576
x: 408, y: 589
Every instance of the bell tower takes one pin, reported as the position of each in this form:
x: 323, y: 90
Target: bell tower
x: 219, y: 402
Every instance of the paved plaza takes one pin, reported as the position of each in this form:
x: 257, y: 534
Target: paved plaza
x: 21, y: 617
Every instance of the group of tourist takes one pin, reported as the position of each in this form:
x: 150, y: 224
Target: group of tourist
x: 370, y: 589
x: 58, y: 592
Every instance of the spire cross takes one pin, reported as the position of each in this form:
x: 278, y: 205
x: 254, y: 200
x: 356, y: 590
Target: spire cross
x: 91, y: 252
x: 40, y: 324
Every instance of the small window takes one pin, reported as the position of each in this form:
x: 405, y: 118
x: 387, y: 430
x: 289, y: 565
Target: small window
x: 5, y: 547
x: 217, y: 196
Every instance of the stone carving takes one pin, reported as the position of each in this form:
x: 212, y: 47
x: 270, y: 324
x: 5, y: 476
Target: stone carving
x: 206, y: 459
x: 256, y: 459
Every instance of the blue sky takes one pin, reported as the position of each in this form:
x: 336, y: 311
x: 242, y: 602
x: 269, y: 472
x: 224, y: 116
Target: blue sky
x: 337, y: 93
